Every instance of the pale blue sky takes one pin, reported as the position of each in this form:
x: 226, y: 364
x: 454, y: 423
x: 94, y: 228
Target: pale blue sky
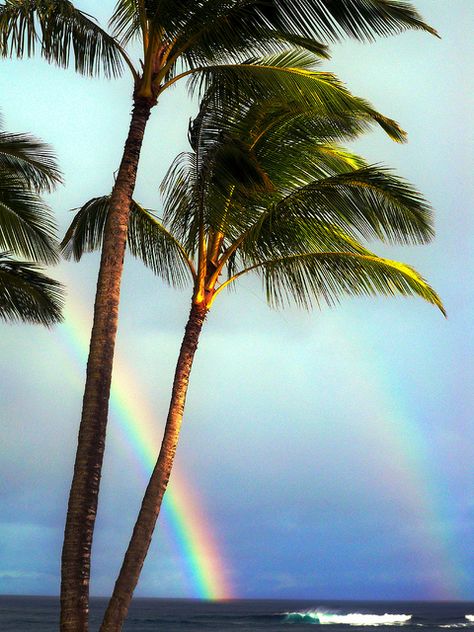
x: 332, y: 451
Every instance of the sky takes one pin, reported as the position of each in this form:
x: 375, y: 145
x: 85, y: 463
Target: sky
x: 329, y: 453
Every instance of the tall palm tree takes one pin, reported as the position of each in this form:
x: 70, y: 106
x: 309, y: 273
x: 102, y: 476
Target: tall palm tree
x: 27, y: 230
x: 202, y: 40
x: 237, y: 204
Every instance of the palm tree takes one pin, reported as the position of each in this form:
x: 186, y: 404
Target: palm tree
x: 236, y: 205
x: 27, y: 230
x: 204, y: 40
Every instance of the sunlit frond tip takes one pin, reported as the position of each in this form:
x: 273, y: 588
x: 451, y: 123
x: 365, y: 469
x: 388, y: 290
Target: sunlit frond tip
x: 326, y: 277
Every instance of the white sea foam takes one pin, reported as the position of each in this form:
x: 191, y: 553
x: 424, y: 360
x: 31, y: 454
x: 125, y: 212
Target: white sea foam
x: 353, y: 618
x: 470, y: 617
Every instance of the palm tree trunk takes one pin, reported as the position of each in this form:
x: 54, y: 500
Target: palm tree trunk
x: 82, y: 507
x: 142, y: 533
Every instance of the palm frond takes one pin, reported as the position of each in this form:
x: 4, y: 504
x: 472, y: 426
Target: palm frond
x: 29, y: 159
x: 332, y: 20
x: 27, y: 227
x: 158, y: 248
x: 148, y: 239
x: 182, y: 208
x: 318, y: 278
x: 60, y: 33
x: 225, y: 32
x: 290, y: 73
x: 370, y: 202
x: 128, y: 20
x: 27, y: 294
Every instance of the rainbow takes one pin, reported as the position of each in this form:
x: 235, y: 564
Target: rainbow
x: 389, y: 425
x: 402, y: 453
x: 204, y: 566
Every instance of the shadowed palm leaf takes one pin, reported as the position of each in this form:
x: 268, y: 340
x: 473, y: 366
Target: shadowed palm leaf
x: 60, y: 33
x: 148, y: 239
x: 27, y: 229
x: 29, y: 159
x: 331, y: 20
x: 27, y: 294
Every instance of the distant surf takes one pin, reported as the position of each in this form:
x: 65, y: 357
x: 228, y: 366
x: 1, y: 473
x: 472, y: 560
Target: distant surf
x: 353, y: 618
x: 41, y: 614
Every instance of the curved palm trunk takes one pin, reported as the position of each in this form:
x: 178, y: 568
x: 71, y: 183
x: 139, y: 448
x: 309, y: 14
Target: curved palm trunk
x: 76, y: 554
x: 145, y: 524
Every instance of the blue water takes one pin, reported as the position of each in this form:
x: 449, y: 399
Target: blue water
x: 40, y: 614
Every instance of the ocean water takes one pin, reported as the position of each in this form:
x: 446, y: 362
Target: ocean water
x: 40, y: 614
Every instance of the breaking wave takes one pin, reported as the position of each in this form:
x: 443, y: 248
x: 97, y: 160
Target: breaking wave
x: 353, y: 618
x: 470, y: 617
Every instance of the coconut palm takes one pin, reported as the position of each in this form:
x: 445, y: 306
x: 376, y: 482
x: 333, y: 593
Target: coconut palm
x: 204, y: 40
x: 27, y: 231
x: 237, y: 204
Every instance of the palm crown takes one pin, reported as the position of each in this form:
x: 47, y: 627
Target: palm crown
x: 267, y: 189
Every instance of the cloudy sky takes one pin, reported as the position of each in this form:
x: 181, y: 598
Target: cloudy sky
x: 329, y: 453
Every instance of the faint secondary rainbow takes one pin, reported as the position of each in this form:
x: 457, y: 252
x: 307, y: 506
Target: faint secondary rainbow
x: 198, y: 549
x: 401, y: 457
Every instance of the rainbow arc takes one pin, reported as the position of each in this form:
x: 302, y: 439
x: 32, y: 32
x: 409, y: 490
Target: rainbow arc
x: 198, y: 549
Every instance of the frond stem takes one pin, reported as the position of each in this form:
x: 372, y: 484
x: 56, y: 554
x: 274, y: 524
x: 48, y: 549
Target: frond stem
x: 169, y: 83
x: 289, y: 258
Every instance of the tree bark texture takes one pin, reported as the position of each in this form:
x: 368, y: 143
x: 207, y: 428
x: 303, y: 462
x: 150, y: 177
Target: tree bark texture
x: 142, y: 533
x: 82, y: 507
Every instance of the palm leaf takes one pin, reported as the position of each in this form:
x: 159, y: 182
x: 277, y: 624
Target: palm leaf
x: 128, y: 20
x: 148, y: 239
x: 370, y: 202
x: 332, y: 20
x: 29, y: 159
x: 60, y: 32
x: 28, y: 295
x: 221, y: 32
x: 27, y: 227
x: 326, y: 277
x: 289, y: 73
x: 159, y: 250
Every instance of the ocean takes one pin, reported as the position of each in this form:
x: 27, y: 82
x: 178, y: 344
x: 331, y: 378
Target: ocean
x: 40, y: 614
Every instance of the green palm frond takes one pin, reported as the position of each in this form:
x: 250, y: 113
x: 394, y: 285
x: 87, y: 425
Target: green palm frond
x: 332, y: 20
x: 304, y: 163
x: 224, y: 32
x: 159, y: 249
x: 279, y: 236
x: 370, y: 202
x: 148, y: 239
x: 28, y: 295
x: 30, y: 160
x: 292, y: 121
x: 128, y: 20
x: 326, y: 277
x: 27, y: 227
x: 289, y: 72
x: 60, y: 33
